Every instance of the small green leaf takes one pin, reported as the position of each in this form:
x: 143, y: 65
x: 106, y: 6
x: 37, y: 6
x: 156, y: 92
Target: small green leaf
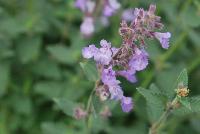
x: 182, y: 79
x: 66, y: 106
x: 185, y: 102
x: 90, y: 70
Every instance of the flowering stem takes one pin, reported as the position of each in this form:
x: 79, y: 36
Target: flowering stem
x: 157, y: 125
x: 90, y: 105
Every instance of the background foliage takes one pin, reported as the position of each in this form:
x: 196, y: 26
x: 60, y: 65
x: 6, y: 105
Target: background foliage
x: 40, y: 74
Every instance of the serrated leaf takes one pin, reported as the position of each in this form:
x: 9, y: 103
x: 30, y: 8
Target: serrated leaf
x: 185, y: 102
x: 154, y: 89
x: 67, y: 106
x: 155, y: 105
x: 90, y: 70
x: 194, y: 104
x: 166, y: 80
x: 183, y: 78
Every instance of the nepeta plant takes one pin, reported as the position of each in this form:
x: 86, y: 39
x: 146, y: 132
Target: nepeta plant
x: 129, y: 58
x: 94, y: 10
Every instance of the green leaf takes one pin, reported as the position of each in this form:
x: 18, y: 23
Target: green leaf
x: 182, y: 79
x: 155, y: 106
x: 47, y: 68
x: 166, y: 80
x: 67, y: 106
x: 4, y: 77
x: 194, y: 104
x: 49, y: 89
x: 55, y: 128
x: 185, y: 102
x: 190, y: 17
x: 28, y: 48
x: 90, y: 70
x: 63, y: 54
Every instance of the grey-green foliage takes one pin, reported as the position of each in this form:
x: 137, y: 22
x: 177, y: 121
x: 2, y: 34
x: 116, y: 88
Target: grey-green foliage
x: 156, y: 99
x: 67, y: 106
x: 154, y: 102
x: 90, y: 70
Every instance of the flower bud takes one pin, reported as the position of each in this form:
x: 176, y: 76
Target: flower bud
x: 105, y: 113
x: 79, y: 113
x: 182, y: 91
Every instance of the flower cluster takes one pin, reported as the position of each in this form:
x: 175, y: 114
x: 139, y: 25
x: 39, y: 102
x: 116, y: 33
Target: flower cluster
x: 129, y: 58
x: 91, y: 10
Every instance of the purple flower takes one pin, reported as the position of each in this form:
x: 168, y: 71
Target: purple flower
x: 109, y: 78
x: 114, y: 50
x: 101, y: 55
x: 115, y: 90
x: 163, y: 38
x: 81, y: 4
x: 88, y: 52
x: 139, y: 60
x: 128, y: 74
x: 104, y: 54
x: 128, y: 15
x: 104, y: 21
x: 85, y: 5
x: 90, y: 5
x: 87, y: 27
x: 126, y: 104
x: 110, y: 7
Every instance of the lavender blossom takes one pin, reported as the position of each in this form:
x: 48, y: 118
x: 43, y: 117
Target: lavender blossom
x: 130, y: 57
x: 101, y: 55
x: 110, y: 7
x: 128, y: 74
x: 89, y: 52
x: 104, y: 54
x: 163, y: 38
x: 139, y: 60
x: 128, y: 15
x: 81, y: 4
x: 126, y: 104
x: 87, y: 27
x: 109, y: 78
x: 79, y: 113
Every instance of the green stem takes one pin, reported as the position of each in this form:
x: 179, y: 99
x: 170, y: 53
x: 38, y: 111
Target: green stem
x: 157, y: 125
x: 90, y: 107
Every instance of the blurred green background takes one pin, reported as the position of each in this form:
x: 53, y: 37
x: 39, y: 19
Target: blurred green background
x: 40, y: 51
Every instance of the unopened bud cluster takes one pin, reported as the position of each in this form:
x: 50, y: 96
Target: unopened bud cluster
x: 182, y: 91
